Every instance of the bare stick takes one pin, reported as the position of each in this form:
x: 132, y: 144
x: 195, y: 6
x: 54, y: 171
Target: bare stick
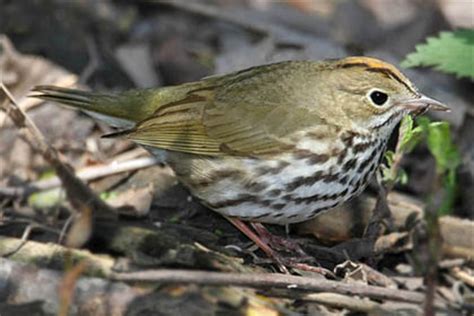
x: 259, y: 26
x: 24, y: 240
x: 382, y: 209
x: 86, y: 174
x: 93, y: 62
x: 79, y: 195
x: 268, y: 280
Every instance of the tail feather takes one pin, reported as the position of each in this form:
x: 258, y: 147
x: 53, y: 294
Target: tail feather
x: 115, y: 110
x: 123, y: 109
x: 76, y: 98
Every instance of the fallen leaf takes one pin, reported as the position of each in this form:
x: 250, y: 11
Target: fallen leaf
x: 21, y: 72
x: 139, y: 199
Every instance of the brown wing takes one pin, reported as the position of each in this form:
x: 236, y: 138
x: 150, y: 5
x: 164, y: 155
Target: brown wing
x: 250, y: 113
x: 177, y: 126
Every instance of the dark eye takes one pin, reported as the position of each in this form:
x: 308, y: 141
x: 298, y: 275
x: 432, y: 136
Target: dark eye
x: 378, y: 97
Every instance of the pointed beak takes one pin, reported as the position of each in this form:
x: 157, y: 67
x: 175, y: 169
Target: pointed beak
x: 423, y: 103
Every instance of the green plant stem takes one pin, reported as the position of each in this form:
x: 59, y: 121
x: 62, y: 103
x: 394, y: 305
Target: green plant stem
x: 432, y: 243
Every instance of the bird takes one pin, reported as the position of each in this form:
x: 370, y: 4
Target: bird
x: 278, y: 143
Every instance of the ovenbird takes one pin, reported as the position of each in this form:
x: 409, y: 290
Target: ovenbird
x: 278, y: 143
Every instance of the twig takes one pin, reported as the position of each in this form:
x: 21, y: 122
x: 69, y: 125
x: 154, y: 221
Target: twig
x: 86, y: 174
x: 93, y: 63
x: 258, y: 25
x: 431, y: 246
x: 57, y: 255
x: 98, y: 296
x: 24, y: 240
x: 268, y: 280
x: 49, y: 74
x: 382, y: 210
x: 451, y: 263
x: 342, y: 301
x: 64, y: 229
x: 463, y: 276
x: 13, y: 191
x: 67, y: 287
x: 215, y: 12
x: 79, y: 195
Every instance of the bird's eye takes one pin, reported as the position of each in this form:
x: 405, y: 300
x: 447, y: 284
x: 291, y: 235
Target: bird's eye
x: 378, y: 97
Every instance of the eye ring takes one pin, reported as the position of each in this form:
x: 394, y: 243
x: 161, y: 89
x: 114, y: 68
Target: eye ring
x: 378, y: 97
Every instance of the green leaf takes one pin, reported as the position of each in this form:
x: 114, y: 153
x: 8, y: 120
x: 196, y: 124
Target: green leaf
x: 450, y: 52
x: 47, y: 199
x: 449, y: 184
x: 108, y: 195
x: 411, y: 136
x: 447, y: 158
x: 403, y: 177
x: 441, y: 146
x: 389, y: 154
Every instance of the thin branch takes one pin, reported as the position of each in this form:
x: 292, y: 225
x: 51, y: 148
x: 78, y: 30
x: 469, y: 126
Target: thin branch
x: 79, y: 195
x: 256, y: 24
x: 382, y: 209
x: 268, y: 280
x: 26, y: 234
x: 93, y: 62
x: 24, y: 240
x: 86, y: 174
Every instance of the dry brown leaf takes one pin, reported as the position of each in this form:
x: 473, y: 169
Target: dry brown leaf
x: 21, y: 72
x: 67, y: 287
x: 321, y: 7
x: 260, y: 310
x: 351, y: 272
x: 81, y: 228
x: 136, y: 60
x: 458, y: 237
x: 393, y: 241
x: 410, y: 283
x: 465, y: 275
x: 349, y: 221
x: 342, y: 301
x: 137, y: 198
x: 391, y: 13
x: 458, y: 13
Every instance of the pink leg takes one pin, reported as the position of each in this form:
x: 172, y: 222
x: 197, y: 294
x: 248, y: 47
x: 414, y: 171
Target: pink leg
x: 262, y: 244
x: 264, y: 240
x: 277, y: 242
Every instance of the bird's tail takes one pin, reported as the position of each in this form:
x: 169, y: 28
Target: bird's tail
x: 71, y: 97
x: 121, y: 110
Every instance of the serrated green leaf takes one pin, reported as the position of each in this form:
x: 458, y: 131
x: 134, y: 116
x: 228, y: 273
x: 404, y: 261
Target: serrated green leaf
x: 451, y: 52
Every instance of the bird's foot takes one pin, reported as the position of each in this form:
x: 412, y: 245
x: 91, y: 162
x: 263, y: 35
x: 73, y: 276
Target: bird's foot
x: 280, y: 243
x: 271, y: 244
